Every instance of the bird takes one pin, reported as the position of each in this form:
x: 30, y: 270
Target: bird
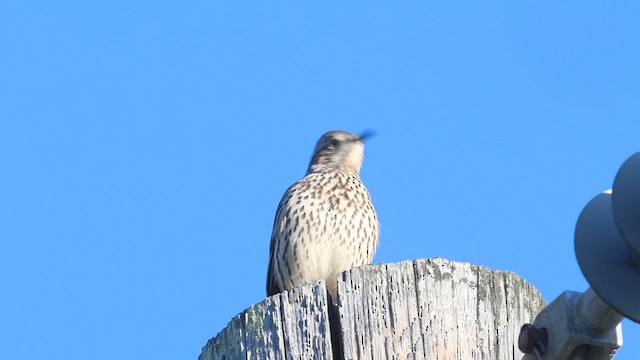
x: 325, y: 223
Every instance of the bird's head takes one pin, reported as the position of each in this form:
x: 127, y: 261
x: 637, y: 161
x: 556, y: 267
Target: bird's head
x: 338, y: 150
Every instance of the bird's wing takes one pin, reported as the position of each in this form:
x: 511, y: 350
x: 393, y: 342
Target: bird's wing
x: 272, y: 283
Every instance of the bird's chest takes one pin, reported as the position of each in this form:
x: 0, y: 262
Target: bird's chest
x: 333, y: 196
x: 330, y: 209
x: 329, y: 223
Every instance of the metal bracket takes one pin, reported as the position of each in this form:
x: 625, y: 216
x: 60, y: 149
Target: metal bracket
x: 579, y: 326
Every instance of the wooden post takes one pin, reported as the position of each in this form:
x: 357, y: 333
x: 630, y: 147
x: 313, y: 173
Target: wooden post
x: 423, y: 309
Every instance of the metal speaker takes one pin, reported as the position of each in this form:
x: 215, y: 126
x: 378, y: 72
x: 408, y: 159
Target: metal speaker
x: 626, y: 202
x: 607, y: 242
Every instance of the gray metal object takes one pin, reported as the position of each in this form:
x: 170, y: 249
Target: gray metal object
x: 608, y: 264
x: 586, y: 326
x: 626, y: 202
x: 569, y: 321
x: 607, y: 241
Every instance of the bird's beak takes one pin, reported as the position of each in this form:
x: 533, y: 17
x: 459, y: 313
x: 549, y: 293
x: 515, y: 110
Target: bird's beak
x: 366, y: 134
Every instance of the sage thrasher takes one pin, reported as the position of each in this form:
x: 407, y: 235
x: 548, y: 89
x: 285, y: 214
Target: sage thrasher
x: 325, y: 223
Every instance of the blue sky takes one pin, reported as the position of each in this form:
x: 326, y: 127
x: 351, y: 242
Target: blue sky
x: 145, y: 146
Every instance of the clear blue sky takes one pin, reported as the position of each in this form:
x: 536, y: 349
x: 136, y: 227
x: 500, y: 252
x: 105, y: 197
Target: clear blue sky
x: 145, y: 145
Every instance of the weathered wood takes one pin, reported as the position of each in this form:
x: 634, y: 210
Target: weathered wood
x: 306, y: 323
x: 433, y: 309
x: 423, y: 309
x: 291, y: 325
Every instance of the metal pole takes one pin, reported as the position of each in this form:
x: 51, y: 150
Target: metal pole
x: 596, y: 314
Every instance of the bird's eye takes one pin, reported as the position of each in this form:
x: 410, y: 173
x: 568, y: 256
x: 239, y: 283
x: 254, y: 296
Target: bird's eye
x: 333, y: 144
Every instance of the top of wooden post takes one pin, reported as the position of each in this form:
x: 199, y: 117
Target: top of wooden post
x: 423, y: 309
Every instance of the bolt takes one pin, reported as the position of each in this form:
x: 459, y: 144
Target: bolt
x: 531, y: 339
